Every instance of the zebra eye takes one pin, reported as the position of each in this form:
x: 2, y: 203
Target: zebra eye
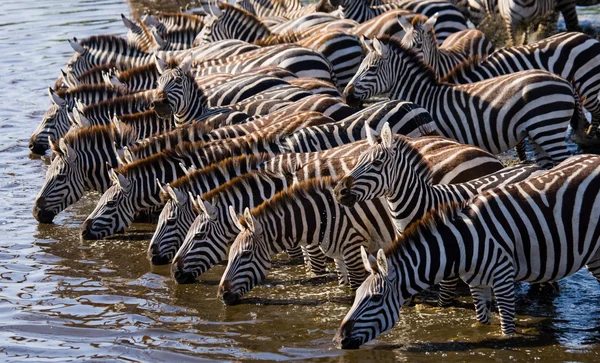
x: 246, y: 254
x: 111, y: 203
x: 377, y: 163
x: 178, y: 80
x: 61, y: 177
x: 376, y: 298
x: 171, y: 222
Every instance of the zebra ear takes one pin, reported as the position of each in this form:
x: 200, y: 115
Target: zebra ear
x: 160, y: 64
x: 186, y: 64
x: 128, y: 23
x: 128, y: 156
x: 149, y: 20
x: 64, y: 148
x: 370, y: 135
x: 76, y: 46
x: 207, y: 208
x: 368, y: 260
x: 80, y: 120
x: 158, y: 39
x: 70, y: 80
x: 429, y: 24
x: 405, y: 24
x: 365, y: 43
x: 172, y: 193
x: 235, y: 218
x: 386, y: 135
x: 80, y: 106
x: 116, y: 122
x: 160, y: 186
x: 118, y: 179
x: 382, y: 263
x: 55, y: 98
x: 380, y: 49
x: 253, y: 226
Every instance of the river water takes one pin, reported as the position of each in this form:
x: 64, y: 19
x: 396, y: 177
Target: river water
x: 66, y: 300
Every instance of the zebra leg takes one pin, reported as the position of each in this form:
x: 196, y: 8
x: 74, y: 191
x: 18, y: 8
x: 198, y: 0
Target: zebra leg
x: 342, y: 273
x: 541, y: 156
x: 354, y: 265
x: 482, y: 297
x: 567, y: 8
x: 295, y: 253
x: 594, y: 266
x: 447, y: 292
x: 521, y: 150
x: 505, y: 298
x: 315, y: 259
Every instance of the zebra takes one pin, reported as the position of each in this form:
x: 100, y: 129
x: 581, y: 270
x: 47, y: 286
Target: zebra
x: 394, y: 169
x: 385, y: 24
x: 266, y: 8
x: 197, y: 254
x: 582, y: 67
x: 500, y: 111
x: 456, y: 49
x: 134, y: 186
x: 56, y: 122
x: 518, y: 226
x: 176, y: 30
x: 78, y: 163
x: 517, y: 13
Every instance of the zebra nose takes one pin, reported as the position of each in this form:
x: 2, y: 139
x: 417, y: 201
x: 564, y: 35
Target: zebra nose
x: 36, y: 147
x: 225, y: 294
x: 156, y: 257
x: 40, y: 213
x: 343, y: 191
x: 343, y: 337
x: 180, y: 275
x: 87, y: 230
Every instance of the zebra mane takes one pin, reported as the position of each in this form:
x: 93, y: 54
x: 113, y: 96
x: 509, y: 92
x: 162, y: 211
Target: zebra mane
x: 180, y: 21
x: 276, y: 39
x: 149, y: 162
x: 128, y: 99
x: 425, y: 225
x: 423, y: 166
x: 89, y: 88
x: 130, y: 73
x: 232, y: 162
x: 82, y: 139
x: 418, y: 19
x: 108, y: 41
x: 396, y: 46
x: 177, y: 136
x: 236, y: 182
x: 473, y: 61
x: 103, y: 68
x: 225, y: 6
x: 323, y: 185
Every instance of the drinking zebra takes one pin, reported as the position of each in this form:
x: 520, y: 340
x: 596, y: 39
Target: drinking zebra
x: 495, y: 114
x: 504, y: 235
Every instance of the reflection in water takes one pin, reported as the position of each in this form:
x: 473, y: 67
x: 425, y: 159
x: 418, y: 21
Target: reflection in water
x: 61, y: 298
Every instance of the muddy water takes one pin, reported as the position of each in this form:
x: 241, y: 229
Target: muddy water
x: 62, y: 299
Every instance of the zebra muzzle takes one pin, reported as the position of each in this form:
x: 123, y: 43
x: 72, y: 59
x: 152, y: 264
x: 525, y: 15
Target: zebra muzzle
x: 225, y: 294
x: 343, y: 337
x: 343, y: 192
x: 40, y: 213
x: 161, y: 107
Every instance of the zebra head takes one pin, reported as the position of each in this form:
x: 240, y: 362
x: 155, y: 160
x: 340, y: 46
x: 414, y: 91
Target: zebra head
x: 373, y: 77
x: 173, y: 94
x: 204, y: 246
x: 206, y: 34
x: 114, y: 210
x: 64, y: 184
x: 376, y: 306
x: 413, y: 36
x: 370, y: 177
x: 249, y: 259
x: 55, y: 124
x: 81, y: 61
x: 174, y: 220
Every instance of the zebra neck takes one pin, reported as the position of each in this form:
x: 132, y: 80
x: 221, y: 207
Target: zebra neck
x: 193, y: 108
x: 416, y: 82
x: 431, y: 257
x: 359, y: 11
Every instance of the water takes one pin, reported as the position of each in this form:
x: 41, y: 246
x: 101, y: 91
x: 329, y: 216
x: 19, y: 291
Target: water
x: 66, y: 300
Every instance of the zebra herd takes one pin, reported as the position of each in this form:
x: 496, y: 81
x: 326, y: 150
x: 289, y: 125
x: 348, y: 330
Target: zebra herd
x: 241, y: 128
